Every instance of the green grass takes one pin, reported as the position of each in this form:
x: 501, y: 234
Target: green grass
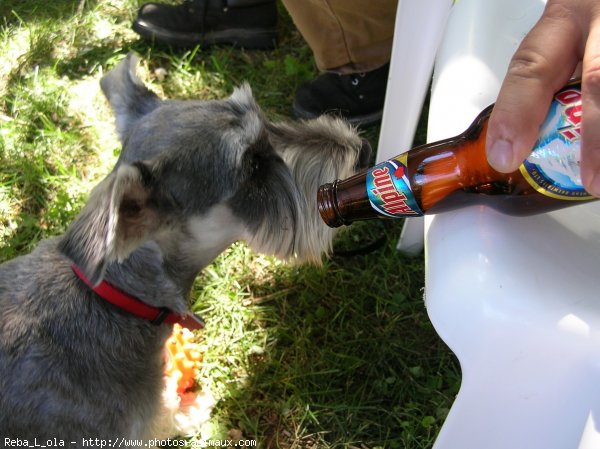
x: 337, y: 356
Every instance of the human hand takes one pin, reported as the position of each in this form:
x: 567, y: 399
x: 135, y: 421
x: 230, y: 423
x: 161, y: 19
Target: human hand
x: 567, y: 34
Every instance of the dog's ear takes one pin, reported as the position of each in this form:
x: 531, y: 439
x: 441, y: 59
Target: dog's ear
x: 118, y: 218
x: 127, y: 94
x: 242, y: 98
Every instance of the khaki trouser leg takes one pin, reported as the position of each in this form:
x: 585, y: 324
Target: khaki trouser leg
x: 346, y: 36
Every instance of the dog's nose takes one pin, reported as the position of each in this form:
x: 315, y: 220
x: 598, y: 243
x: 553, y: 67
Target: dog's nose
x: 364, y: 158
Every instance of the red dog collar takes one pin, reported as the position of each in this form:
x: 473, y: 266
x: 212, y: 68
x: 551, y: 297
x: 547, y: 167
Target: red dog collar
x: 156, y: 315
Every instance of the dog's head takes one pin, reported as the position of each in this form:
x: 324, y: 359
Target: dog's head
x: 195, y: 176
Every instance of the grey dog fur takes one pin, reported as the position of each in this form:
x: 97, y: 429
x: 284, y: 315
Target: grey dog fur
x: 192, y: 178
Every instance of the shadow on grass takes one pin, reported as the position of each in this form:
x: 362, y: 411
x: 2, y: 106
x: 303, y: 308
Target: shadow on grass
x: 14, y: 11
x: 351, y: 357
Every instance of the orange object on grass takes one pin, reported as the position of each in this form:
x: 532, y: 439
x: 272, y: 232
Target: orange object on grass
x: 184, y: 358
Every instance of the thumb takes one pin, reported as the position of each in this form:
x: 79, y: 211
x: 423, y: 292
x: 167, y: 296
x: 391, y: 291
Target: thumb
x: 542, y: 64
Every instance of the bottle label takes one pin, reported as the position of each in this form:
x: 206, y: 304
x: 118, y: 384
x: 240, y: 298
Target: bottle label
x: 389, y: 189
x: 552, y: 168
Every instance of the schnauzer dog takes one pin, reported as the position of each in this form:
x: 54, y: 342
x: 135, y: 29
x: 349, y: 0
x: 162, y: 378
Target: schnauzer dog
x: 84, y: 317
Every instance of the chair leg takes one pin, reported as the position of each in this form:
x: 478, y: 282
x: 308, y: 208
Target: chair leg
x: 412, y: 238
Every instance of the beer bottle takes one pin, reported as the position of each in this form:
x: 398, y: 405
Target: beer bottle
x: 454, y: 173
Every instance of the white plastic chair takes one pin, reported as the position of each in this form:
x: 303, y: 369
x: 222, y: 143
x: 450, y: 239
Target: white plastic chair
x: 419, y: 29
x: 516, y: 299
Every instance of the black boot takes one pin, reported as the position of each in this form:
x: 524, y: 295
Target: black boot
x: 358, y: 97
x: 244, y: 23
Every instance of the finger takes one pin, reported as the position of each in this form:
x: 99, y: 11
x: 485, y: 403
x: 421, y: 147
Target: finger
x: 542, y: 64
x: 590, y: 126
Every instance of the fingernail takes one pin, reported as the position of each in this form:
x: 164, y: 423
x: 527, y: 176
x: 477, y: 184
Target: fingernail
x: 594, y: 185
x: 500, y: 156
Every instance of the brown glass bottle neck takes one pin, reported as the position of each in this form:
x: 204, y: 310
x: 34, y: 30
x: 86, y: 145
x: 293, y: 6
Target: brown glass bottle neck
x: 443, y: 167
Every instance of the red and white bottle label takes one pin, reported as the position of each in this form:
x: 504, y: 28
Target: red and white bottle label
x: 389, y: 189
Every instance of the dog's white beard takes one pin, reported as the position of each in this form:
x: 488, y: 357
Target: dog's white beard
x: 293, y: 229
